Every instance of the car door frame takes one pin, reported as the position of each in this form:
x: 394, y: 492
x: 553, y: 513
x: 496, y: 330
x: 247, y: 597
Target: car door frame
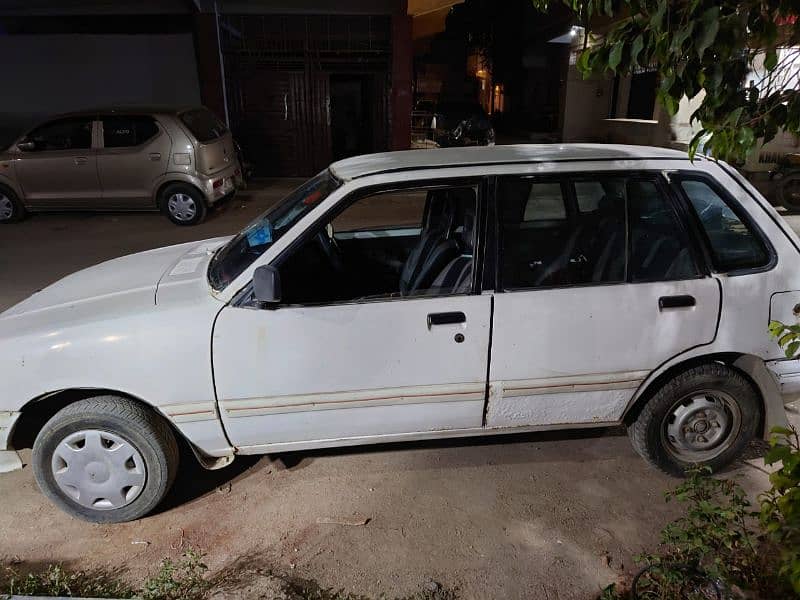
x: 468, y: 404
x: 144, y: 200
x: 493, y: 280
x: 62, y: 202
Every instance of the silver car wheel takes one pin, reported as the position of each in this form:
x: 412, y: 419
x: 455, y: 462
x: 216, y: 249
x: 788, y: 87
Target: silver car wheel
x: 701, y: 426
x: 182, y: 207
x: 6, y: 208
x: 98, y: 469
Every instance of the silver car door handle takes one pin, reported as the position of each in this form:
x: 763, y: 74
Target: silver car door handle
x: 155, y: 156
x: 81, y: 160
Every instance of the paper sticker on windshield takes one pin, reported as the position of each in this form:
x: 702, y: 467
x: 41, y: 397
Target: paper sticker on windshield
x: 259, y: 235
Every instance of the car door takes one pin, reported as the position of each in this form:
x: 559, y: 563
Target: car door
x: 134, y: 153
x: 57, y: 165
x: 592, y: 296
x: 346, y: 360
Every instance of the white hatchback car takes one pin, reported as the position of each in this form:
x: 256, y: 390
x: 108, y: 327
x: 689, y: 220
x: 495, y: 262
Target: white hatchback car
x: 416, y: 295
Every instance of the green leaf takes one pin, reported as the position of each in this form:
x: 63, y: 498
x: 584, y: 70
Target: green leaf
x: 709, y: 29
x: 746, y: 138
x: 658, y: 16
x: 680, y: 37
x: 775, y: 327
x: 791, y: 349
x: 615, y: 56
x: 583, y: 62
x: 636, y: 49
x: 785, y: 339
x: 771, y: 60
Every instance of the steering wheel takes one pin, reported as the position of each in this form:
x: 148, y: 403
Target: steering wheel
x: 330, y: 248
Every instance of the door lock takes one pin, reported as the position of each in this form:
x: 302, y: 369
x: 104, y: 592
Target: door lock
x: 459, y: 337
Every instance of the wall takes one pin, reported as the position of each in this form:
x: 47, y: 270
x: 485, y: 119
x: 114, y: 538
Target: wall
x: 67, y: 72
x: 586, y: 105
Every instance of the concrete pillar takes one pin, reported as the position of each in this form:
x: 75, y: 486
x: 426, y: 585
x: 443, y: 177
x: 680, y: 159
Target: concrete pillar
x: 402, y: 73
x: 208, y: 66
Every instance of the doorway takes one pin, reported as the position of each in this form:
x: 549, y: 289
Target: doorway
x: 352, y: 119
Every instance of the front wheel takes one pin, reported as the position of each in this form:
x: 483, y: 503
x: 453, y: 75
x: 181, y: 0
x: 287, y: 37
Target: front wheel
x: 11, y: 209
x: 704, y: 416
x: 105, y: 460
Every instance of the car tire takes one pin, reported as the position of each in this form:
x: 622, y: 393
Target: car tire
x: 105, y: 485
x: 11, y: 209
x: 704, y: 416
x: 789, y: 192
x: 183, y: 204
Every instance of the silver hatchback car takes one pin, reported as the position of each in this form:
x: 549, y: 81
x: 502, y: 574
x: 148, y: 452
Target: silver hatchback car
x: 180, y: 161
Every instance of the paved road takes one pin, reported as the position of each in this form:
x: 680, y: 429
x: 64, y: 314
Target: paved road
x: 537, y: 516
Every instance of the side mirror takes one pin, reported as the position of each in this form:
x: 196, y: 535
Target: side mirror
x: 26, y: 145
x: 267, y: 284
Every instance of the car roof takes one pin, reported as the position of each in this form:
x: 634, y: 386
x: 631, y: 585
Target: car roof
x: 405, y: 160
x: 131, y: 109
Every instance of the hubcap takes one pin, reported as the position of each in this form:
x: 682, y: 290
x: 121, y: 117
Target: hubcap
x: 182, y: 207
x: 701, y: 426
x: 98, y: 469
x: 6, y: 208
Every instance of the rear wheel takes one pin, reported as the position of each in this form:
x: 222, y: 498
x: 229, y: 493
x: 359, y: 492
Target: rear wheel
x: 105, y: 460
x: 789, y: 192
x: 183, y: 204
x: 11, y: 209
x: 704, y: 416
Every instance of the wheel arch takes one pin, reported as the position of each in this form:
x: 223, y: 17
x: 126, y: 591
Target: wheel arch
x: 172, y: 179
x: 750, y: 366
x: 38, y: 411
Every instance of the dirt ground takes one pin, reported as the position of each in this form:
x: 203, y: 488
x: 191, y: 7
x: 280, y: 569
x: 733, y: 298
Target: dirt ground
x: 550, y: 516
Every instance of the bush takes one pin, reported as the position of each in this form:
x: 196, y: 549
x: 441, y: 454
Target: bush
x: 721, y: 548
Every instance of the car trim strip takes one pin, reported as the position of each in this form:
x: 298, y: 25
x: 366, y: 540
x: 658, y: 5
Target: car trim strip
x: 574, y: 383
x: 246, y: 407
x: 190, y: 412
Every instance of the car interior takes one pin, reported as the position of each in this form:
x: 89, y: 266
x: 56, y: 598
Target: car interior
x: 427, y: 254
x: 567, y: 232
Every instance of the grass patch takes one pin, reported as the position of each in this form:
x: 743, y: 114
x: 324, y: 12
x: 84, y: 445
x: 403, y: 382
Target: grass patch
x: 184, y: 579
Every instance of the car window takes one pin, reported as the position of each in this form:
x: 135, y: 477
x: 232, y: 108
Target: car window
x: 204, y: 125
x: 545, y: 202
x: 622, y: 227
x: 734, y: 245
x: 248, y: 245
x: 659, y: 245
x: 386, y: 245
x: 74, y: 133
x: 588, y: 195
x: 582, y: 248
x: 396, y: 209
x: 125, y: 131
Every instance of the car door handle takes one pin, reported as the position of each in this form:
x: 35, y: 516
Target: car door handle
x: 155, y: 156
x: 446, y: 318
x: 81, y: 160
x: 667, y: 302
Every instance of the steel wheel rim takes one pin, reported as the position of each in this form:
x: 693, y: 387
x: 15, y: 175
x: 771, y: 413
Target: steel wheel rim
x: 701, y: 426
x: 6, y: 208
x: 182, y: 206
x: 98, y: 469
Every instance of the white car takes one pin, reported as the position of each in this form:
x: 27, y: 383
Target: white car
x: 410, y: 296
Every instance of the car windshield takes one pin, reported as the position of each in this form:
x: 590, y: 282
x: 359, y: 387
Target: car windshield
x: 243, y: 250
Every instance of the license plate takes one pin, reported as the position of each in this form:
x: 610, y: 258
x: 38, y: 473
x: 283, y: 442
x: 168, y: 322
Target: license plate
x: 227, y: 184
